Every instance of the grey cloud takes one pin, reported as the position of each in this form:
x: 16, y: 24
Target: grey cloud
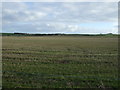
x: 64, y: 11
x: 56, y: 17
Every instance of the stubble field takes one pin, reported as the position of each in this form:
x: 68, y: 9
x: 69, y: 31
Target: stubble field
x: 60, y: 62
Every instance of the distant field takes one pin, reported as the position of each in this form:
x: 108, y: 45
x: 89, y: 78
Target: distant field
x: 60, y: 62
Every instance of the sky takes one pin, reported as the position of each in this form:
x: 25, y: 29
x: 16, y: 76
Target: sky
x: 60, y: 17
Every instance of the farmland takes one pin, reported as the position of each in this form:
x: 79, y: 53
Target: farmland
x: 60, y: 61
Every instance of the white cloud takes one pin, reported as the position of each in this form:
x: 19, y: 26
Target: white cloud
x: 20, y: 13
x: 57, y: 17
x: 74, y: 12
x: 60, y: 0
x: 73, y: 28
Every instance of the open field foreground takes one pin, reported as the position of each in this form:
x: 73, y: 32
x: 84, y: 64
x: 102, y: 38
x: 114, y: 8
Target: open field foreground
x: 60, y: 62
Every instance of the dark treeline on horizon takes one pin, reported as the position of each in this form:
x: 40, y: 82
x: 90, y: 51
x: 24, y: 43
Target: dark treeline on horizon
x: 55, y: 34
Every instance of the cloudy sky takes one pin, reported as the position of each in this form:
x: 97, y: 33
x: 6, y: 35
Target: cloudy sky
x: 60, y: 17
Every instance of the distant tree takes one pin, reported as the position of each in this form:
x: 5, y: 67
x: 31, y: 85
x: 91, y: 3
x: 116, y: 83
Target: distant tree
x: 110, y: 33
